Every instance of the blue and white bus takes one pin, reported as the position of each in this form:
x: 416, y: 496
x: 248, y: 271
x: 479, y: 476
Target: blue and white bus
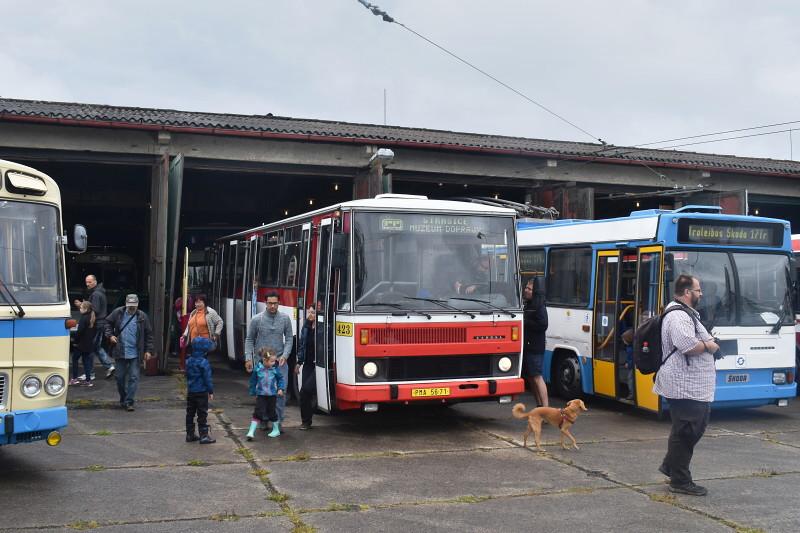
x: 604, y: 277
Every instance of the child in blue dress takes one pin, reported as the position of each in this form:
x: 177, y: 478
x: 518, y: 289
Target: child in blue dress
x: 266, y: 384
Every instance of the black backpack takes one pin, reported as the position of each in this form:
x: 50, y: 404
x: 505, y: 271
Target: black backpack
x: 647, y: 355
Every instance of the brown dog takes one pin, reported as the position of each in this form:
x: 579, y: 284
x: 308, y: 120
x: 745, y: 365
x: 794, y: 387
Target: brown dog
x: 560, y: 418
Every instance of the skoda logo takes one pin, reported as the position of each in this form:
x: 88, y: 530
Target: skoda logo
x: 740, y: 361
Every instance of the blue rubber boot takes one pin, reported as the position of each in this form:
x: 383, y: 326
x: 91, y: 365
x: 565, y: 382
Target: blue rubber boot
x: 276, y: 430
x: 252, y: 432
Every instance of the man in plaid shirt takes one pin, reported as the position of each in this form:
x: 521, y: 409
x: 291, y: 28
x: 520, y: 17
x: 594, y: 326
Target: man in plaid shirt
x: 686, y: 380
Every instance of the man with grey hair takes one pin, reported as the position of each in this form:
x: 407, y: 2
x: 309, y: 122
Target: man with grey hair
x: 686, y: 380
x: 131, y: 336
x: 96, y: 294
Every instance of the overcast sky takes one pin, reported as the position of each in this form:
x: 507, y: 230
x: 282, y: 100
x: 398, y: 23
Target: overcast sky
x: 629, y: 72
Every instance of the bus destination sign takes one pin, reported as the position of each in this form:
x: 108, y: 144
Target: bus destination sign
x: 433, y: 224
x: 732, y: 233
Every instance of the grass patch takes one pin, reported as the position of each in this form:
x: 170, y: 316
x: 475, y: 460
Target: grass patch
x: 278, y: 497
x: 343, y: 507
x: 471, y: 499
x: 260, y: 472
x: 82, y: 525
x: 103, y: 433
x: 663, y: 498
x: 743, y: 529
x: 302, y: 456
x: 197, y: 462
x: 765, y: 472
x: 224, y: 517
x: 95, y: 468
x: 245, y: 452
x: 303, y: 528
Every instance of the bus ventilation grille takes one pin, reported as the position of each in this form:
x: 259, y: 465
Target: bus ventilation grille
x: 417, y: 335
x: 30, y: 436
x: 3, y: 389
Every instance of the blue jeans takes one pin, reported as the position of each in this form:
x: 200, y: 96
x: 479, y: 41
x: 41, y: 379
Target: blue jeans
x: 280, y: 406
x: 88, y: 360
x: 127, y: 379
x: 105, y: 360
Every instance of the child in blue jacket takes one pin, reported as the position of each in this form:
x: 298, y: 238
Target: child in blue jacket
x: 266, y: 383
x: 199, y: 389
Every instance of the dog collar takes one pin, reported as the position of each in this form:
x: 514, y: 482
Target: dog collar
x: 565, y: 417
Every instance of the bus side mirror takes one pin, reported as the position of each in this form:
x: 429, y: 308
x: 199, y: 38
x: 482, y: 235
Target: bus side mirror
x: 79, y: 239
x: 339, y: 247
x: 793, y: 264
x: 669, y: 268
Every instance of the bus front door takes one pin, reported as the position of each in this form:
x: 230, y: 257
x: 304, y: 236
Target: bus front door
x: 649, y: 296
x: 606, y: 308
x: 325, y: 318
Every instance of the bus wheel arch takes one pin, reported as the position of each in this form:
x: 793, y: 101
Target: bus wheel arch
x: 566, y: 374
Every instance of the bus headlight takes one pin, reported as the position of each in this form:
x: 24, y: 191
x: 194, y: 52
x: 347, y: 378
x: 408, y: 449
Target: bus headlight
x: 31, y: 386
x: 504, y: 364
x: 370, y: 369
x: 779, y: 378
x: 54, y: 385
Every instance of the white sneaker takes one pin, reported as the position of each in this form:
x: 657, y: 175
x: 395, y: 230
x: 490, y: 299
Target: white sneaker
x: 92, y: 378
x: 82, y: 377
x: 110, y: 371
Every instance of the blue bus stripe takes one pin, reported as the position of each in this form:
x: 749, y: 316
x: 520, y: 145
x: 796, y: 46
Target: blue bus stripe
x: 33, y: 327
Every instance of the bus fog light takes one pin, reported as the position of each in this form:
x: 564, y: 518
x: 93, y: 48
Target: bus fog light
x: 54, y: 438
x: 31, y: 386
x: 370, y: 369
x: 504, y: 399
x: 779, y: 378
x: 54, y: 385
x: 370, y: 407
x: 504, y: 364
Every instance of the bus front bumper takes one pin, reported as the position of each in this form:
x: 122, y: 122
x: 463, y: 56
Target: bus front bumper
x: 355, y: 396
x: 17, y: 427
x: 758, y: 390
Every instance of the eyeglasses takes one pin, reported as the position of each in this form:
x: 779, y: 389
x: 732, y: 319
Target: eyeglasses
x: 696, y: 290
x: 273, y: 303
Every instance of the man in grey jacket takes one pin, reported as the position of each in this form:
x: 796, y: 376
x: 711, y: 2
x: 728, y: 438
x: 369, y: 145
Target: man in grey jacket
x: 270, y: 329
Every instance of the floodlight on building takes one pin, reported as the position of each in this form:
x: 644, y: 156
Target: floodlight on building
x: 335, y: 186
x: 384, y: 156
x: 310, y: 201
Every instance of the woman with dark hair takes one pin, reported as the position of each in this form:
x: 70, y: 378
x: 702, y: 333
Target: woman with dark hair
x: 203, y: 322
x: 534, y: 328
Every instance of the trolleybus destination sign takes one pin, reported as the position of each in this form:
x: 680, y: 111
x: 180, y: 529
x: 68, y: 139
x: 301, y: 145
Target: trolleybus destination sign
x: 730, y: 233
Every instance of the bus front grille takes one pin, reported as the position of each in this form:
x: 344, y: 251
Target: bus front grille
x: 417, y: 335
x: 3, y: 390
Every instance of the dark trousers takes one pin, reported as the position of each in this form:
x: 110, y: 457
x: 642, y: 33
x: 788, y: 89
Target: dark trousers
x: 197, y: 404
x: 265, y: 408
x: 307, y: 392
x: 88, y: 361
x: 689, y: 421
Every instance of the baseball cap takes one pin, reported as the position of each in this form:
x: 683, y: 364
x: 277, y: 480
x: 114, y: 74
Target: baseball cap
x: 131, y: 300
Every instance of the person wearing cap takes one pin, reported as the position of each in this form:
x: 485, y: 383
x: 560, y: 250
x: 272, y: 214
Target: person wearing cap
x: 130, y: 334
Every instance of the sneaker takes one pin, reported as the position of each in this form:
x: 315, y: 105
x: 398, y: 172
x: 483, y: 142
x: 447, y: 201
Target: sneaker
x: 304, y: 426
x: 110, y: 371
x: 691, y: 489
x: 93, y: 377
x: 192, y: 437
x: 664, y: 470
x: 205, y: 439
x: 130, y: 407
x: 82, y: 377
x: 75, y: 381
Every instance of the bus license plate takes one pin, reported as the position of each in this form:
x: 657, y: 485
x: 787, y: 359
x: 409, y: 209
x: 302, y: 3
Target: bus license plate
x: 737, y: 378
x: 433, y: 391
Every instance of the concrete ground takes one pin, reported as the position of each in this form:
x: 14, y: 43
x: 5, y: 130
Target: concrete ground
x: 402, y: 469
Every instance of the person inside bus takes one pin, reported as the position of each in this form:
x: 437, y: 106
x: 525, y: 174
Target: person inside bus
x: 534, y: 328
x: 203, y: 322
x: 476, y: 280
x: 626, y: 360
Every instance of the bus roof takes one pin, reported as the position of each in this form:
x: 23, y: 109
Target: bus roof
x: 388, y: 202
x: 638, y: 226
x: 52, y: 194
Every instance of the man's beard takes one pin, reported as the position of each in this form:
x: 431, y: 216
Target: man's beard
x: 695, y: 300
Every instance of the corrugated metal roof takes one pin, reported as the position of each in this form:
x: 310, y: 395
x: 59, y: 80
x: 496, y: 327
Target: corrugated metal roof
x: 269, y: 125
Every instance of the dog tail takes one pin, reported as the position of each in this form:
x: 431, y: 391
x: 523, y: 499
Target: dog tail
x: 519, y: 411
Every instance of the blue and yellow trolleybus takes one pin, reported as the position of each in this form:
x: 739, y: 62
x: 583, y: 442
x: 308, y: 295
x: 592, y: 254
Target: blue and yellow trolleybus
x: 34, y: 312
x: 605, y: 277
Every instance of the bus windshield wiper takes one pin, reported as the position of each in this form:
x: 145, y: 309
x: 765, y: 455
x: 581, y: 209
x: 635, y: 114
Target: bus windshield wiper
x: 397, y: 306
x: 20, y: 312
x: 777, y: 326
x: 489, y: 304
x: 440, y: 303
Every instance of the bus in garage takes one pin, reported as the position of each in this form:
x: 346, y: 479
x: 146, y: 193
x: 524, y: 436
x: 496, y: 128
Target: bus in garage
x: 419, y: 300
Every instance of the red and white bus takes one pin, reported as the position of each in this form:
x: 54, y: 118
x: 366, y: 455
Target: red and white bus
x: 419, y: 299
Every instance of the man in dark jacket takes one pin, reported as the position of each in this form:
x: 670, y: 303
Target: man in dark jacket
x: 131, y: 337
x: 96, y: 295
x: 534, y: 328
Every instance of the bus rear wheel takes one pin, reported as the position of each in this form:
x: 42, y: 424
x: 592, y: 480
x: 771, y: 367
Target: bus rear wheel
x: 567, y: 377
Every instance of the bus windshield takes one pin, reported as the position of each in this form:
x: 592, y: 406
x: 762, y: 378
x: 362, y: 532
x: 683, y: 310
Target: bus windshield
x: 739, y: 289
x: 433, y: 262
x: 30, y: 253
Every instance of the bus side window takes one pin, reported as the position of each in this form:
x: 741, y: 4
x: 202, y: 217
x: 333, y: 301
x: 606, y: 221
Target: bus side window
x: 569, y: 276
